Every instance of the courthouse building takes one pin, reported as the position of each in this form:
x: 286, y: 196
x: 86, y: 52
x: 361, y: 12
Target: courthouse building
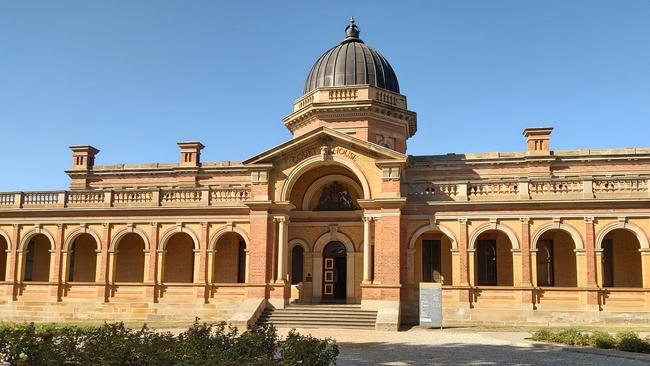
x: 339, y: 214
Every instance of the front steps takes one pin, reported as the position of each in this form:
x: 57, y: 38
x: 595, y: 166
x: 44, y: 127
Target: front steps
x: 319, y: 316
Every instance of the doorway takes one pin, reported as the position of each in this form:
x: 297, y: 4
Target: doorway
x: 334, y: 272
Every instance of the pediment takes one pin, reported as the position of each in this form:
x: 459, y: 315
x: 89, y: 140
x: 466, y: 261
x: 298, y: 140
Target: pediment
x: 325, y: 140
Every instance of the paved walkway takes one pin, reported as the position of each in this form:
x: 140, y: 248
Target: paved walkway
x: 454, y: 347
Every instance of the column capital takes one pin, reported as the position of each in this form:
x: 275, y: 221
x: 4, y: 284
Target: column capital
x: 589, y: 219
x: 524, y: 220
x: 462, y: 220
x: 368, y: 218
x: 281, y: 219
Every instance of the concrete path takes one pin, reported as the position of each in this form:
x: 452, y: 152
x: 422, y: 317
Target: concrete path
x: 458, y: 347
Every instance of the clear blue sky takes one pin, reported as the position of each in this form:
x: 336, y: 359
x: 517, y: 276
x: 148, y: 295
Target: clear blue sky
x: 132, y: 78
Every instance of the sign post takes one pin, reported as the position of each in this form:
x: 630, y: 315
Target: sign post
x: 430, y: 305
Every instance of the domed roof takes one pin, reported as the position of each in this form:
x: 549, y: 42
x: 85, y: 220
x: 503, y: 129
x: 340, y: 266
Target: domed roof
x: 352, y: 63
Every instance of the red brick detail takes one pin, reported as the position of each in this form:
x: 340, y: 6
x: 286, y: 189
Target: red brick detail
x: 103, y: 265
x: 203, y: 256
x: 464, y: 256
x: 388, y: 251
x: 590, y: 251
x: 58, y: 245
x: 260, y: 248
x: 525, y: 254
x: 153, y: 261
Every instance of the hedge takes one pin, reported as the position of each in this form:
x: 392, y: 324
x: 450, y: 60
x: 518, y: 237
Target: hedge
x: 624, y: 341
x: 201, y: 344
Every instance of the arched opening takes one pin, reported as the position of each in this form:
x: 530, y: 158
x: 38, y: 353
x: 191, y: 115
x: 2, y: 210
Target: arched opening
x: 179, y: 259
x: 621, y: 260
x: 297, y: 264
x: 37, y: 259
x: 82, y: 256
x: 334, y: 272
x: 129, y: 259
x: 556, y: 260
x: 433, y: 261
x: 230, y: 259
x: 4, y: 247
x: 327, y: 188
x: 493, y: 257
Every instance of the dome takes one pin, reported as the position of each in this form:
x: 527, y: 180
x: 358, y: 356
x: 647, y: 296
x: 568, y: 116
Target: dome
x: 352, y: 63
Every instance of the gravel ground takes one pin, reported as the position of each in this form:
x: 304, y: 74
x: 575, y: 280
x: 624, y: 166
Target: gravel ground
x: 455, y: 347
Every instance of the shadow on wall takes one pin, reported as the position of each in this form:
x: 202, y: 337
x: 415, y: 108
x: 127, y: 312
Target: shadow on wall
x: 379, y: 353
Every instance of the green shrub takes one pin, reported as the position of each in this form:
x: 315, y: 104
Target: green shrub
x: 542, y: 335
x: 601, y: 339
x: 630, y: 342
x: 201, y: 344
x: 570, y: 336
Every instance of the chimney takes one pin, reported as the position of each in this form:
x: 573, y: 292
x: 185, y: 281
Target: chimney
x: 83, y: 157
x: 190, y: 153
x: 538, y: 140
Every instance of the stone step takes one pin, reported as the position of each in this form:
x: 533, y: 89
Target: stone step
x: 320, y: 316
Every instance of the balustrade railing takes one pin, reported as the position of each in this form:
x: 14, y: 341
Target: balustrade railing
x: 230, y: 195
x: 127, y: 197
x: 598, y: 188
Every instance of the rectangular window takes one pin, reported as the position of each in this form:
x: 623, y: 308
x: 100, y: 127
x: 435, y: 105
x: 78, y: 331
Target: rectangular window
x: 608, y: 263
x: 486, y: 256
x: 545, y: 263
x: 431, y: 263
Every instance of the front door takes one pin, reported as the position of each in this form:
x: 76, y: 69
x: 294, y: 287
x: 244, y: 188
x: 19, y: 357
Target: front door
x: 334, y: 272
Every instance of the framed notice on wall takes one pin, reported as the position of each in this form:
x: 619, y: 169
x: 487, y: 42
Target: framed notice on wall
x: 430, y: 305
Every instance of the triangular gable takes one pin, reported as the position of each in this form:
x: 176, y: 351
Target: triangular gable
x: 381, y: 153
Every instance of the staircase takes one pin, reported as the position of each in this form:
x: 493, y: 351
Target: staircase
x: 319, y: 316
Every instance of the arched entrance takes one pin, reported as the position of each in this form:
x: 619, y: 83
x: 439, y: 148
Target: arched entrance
x: 334, y: 272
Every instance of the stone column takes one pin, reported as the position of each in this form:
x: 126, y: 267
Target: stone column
x: 283, y: 234
x: 465, y: 296
x: 645, y: 267
x: 367, y: 255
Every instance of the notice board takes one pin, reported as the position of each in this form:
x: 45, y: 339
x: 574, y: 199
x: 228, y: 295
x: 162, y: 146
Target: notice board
x: 430, y: 305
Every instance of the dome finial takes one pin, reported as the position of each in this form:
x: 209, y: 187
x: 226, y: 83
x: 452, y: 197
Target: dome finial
x: 351, y: 32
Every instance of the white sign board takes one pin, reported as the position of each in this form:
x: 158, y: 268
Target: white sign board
x: 430, y: 305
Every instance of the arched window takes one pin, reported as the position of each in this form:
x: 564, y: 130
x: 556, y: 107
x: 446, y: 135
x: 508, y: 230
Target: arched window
x: 297, y: 264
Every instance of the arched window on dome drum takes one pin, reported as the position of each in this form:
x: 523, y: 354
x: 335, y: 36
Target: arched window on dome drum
x: 297, y: 264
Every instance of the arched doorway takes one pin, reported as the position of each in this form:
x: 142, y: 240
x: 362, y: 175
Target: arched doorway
x: 82, y: 259
x: 334, y: 272
x: 129, y: 259
x: 37, y: 259
x: 229, y: 264
x: 621, y: 260
x: 556, y: 260
x: 179, y: 259
x: 493, y: 259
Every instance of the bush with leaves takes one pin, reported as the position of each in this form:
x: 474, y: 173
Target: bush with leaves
x: 630, y: 342
x: 201, y: 344
x: 570, y: 336
x: 602, y: 339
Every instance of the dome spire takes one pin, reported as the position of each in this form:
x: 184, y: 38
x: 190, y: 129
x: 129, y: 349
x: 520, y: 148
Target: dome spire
x: 352, y: 32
